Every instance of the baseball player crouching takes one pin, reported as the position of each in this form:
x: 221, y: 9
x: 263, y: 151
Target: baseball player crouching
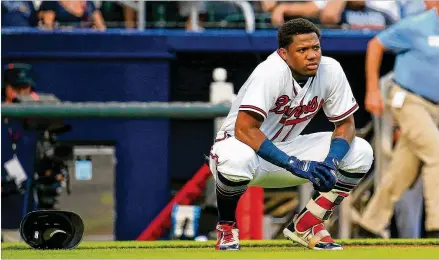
x: 260, y: 144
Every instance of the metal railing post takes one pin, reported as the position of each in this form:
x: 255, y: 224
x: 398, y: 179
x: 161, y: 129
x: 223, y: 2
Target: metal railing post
x: 249, y: 15
x: 194, y: 18
x: 141, y: 15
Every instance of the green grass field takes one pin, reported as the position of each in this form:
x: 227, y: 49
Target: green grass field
x: 273, y: 249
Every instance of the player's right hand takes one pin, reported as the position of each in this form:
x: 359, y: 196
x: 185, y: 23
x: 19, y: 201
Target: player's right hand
x: 307, y: 170
x: 374, y: 102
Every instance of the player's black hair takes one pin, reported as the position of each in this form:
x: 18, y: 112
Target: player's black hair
x: 294, y: 27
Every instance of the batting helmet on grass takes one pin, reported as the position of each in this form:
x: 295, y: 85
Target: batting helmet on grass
x: 52, y: 229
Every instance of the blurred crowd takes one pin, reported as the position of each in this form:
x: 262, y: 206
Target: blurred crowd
x: 211, y: 14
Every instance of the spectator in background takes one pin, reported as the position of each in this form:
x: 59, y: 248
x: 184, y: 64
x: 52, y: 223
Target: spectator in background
x: 17, y: 80
x: 77, y: 14
x: 359, y: 14
x: 411, y: 7
x: 228, y: 14
x: 409, y: 208
x: 284, y: 11
x: 165, y: 14
x: 185, y: 11
x: 18, y: 14
x: 414, y: 100
x: 118, y: 14
x: 113, y: 14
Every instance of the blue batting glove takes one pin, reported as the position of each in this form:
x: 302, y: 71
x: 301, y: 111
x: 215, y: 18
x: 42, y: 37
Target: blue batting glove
x: 328, y: 168
x: 306, y: 170
x: 331, y: 162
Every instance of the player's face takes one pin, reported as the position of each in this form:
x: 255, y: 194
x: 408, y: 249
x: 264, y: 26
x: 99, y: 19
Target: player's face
x: 304, y: 54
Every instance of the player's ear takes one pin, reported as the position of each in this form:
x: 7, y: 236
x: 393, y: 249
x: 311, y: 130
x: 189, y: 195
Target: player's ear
x: 283, y: 53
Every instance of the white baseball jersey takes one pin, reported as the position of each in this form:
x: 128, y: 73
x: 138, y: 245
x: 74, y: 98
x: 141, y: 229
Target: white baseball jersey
x: 287, y: 108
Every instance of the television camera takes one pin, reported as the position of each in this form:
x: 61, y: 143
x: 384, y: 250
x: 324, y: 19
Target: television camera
x: 51, y: 173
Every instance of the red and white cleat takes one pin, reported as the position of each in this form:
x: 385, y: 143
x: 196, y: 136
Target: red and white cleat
x: 227, y: 236
x: 317, y: 237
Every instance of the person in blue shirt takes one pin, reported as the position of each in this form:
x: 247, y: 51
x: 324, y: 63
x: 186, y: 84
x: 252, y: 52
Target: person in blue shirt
x: 17, y: 79
x: 408, y: 209
x: 410, y: 7
x: 75, y: 14
x: 414, y: 102
x: 18, y: 14
x: 359, y: 14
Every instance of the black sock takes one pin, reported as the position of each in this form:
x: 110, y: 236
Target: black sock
x: 227, y: 207
x: 228, y: 194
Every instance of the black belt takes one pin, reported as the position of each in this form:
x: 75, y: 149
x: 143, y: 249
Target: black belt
x: 411, y: 91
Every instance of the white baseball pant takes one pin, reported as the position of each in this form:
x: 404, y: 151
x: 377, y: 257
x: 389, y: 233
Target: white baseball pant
x: 238, y: 162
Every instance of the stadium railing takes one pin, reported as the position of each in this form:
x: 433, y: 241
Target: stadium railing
x: 245, y: 6
x: 127, y: 110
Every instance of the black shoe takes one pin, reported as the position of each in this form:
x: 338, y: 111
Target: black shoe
x: 433, y: 234
x: 364, y: 233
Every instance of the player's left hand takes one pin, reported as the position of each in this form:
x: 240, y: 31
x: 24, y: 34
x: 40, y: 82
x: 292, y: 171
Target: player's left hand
x: 329, y: 168
x: 330, y: 163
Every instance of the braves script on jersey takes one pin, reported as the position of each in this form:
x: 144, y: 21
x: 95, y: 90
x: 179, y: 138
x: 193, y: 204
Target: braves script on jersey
x: 287, y: 108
